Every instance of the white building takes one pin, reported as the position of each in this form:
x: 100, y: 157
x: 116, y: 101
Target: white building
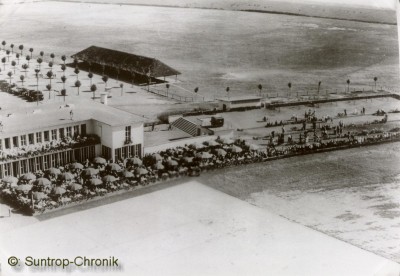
x: 38, y: 138
x: 228, y: 103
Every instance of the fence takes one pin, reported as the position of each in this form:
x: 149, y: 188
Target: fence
x: 311, y: 101
x: 172, y: 95
x: 302, y: 93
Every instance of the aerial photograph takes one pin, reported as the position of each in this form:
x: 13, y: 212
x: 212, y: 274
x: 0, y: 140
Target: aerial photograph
x: 199, y: 137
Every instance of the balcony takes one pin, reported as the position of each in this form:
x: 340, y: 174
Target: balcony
x: 39, y: 149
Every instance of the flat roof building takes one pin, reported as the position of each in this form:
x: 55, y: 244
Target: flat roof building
x: 229, y: 103
x: 33, y: 139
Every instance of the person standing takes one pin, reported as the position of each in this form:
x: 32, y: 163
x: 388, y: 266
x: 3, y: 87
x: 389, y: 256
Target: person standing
x: 71, y: 115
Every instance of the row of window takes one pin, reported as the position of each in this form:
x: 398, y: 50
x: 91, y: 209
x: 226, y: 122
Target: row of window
x: 128, y: 151
x: 33, y: 164
x: 43, y: 136
x: 245, y: 101
x: 122, y: 153
x: 106, y: 152
x: 128, y: 132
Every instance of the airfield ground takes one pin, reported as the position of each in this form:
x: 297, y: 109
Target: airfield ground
x: 188, y: 229
x: 217, y: 48
x: 352, y: 195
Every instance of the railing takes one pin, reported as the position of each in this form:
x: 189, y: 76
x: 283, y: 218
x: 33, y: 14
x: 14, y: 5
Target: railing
x: 172, y: 95
x: 23, y: 153
x: 188, y: 141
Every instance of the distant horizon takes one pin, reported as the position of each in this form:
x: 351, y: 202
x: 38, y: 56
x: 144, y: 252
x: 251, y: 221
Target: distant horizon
x: 382, y: 4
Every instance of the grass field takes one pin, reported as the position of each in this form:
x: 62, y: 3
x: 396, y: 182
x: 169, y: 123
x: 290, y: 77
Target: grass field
x: 217, y: 48
x: 352, y: 195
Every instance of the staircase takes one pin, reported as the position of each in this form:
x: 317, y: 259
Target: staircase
x: 186, y: 126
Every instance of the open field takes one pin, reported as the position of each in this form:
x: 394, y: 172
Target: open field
x: 217, y: 48
x: 352, y: 195
x: 188, y: 229
x: 347, y: 11
x: 254, y: 118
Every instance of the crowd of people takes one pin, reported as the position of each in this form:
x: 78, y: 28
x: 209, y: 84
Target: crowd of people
x: 78, y: 182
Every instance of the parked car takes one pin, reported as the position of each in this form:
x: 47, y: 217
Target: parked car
x: 22, y: 92
x: 34, y: 96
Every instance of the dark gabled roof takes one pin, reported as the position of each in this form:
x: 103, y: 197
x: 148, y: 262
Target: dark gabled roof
x: 125, y: 61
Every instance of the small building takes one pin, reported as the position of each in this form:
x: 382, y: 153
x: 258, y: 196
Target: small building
x: 36, y: 139
x: 238, y: 102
